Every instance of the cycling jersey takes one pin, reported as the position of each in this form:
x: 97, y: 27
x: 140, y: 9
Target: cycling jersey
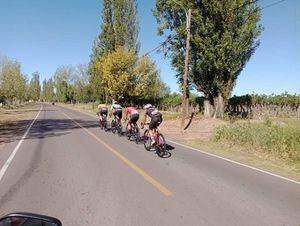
x: 152, y: 112
x: 116, y: 106
x: 130, y: 111
x: 102, y: 109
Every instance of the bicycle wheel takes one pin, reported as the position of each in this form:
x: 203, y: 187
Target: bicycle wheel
x: 105, y: 126
x: 161, y: 146
x: 100, y: 124
x: 119, y: 128
x: 127, y: 132
x: 113, y: 126
x: 137, y: 134
x: 147, y: 140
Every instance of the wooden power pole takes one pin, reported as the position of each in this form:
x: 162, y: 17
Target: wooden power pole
x: 186, y: 68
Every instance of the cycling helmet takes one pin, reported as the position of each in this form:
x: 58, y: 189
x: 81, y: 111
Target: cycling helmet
x: 115, y: 102
x: 147, y: 106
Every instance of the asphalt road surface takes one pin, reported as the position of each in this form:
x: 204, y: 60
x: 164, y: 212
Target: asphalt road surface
x: 68, y: 168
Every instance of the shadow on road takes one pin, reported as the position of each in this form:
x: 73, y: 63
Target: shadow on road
x: 42, y: 128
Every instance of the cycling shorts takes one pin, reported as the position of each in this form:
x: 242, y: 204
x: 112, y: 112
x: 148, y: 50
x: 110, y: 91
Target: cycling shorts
x: 155, y: 121
x: 134, y: 118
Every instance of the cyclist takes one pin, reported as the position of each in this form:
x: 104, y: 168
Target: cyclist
x: 133, y: 115
x: 156, y: 119
x: 116, y: 110
x: 102, y: 111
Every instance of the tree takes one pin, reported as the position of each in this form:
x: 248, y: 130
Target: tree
x: 131, y: 26
x: 119, y: 28
x: 118, y: 73
x: 224, y: 37
x: 48, y: 90
x: 106, y: 39
x: 34, y: 91
x: 13, y: 82
x: 126, y: 25
x: 82, y: 89
x: 149, y: 86
x: 63, y: 78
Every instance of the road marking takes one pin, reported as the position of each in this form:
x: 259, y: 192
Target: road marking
x: 12, y: 155
x: 133, y: 166
x: 237, y: 163
x: 216, y: 156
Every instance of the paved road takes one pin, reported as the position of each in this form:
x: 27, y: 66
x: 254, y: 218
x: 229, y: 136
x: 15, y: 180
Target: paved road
x: 68, y: 168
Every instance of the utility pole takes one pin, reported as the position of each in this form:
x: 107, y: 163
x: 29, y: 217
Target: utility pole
x: 186, y: 68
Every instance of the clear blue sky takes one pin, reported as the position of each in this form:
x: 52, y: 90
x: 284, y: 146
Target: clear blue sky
x: 44, y: 34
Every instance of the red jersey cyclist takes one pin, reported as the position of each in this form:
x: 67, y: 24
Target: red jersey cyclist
x: 133, y: 115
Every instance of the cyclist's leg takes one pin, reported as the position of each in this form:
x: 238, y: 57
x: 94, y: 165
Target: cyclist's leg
x: 134, y: 119
x: 119, y: 114
x: 152, y: 125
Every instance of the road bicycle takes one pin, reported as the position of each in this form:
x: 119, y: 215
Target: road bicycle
x: 103, y: 123
x: 133, y: 132
x: 116, y: 125
x: 159, y: 142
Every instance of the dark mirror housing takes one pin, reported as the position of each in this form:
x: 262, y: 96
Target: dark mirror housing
x: 28, y: 219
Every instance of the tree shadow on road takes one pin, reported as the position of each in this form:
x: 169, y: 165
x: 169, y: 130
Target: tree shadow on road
x: 41, y: 128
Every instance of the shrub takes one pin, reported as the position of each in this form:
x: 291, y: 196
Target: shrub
x: 267, y: 137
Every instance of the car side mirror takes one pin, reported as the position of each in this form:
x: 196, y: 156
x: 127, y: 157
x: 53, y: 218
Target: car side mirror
x: 28, y: 219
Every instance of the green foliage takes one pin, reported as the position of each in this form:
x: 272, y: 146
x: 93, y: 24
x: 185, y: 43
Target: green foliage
x: 149, y: 86
x: 63, y: 79
x: 255, y: 99
x: 171, y: 101
x: 34, y: 91
x: 281, y: 141
x: 118, y: 73
x: 81, y: 87
x: 119, y: 28
x: 223, y: 38
x: 48, y: 90
x: 126, y: 26
x: 257, y: 105
x: 12, y: 81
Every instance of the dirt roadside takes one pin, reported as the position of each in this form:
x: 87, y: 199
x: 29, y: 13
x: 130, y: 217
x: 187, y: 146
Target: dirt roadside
x: 14, y: 121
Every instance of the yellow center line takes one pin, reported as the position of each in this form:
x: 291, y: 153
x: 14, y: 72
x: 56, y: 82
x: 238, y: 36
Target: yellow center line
x: 133, y: 166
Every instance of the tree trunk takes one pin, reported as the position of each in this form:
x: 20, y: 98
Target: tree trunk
x: 187, y: 107
x: 207, y: 109
x: 219, y: 106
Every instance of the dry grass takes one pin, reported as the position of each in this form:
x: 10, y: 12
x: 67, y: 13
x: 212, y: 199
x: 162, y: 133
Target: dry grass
x: 12, y: 115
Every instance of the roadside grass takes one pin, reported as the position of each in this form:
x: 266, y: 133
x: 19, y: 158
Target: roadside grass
x: 246, y: 156
x: 268, y: 138
x: 271, y: 144
x: 12, y: 114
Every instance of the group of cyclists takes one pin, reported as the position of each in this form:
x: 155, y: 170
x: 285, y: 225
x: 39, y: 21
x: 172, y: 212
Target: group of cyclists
x: 132, y: 115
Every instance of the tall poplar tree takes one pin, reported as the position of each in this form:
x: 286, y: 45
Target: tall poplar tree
x: 224, y: 35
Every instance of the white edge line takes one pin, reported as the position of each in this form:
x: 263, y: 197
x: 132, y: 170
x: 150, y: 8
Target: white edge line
x: 237, y: 163
x: 12, y: 155
x: 219, y: 157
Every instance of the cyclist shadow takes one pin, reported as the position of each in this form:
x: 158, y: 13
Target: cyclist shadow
x: 168, y: 153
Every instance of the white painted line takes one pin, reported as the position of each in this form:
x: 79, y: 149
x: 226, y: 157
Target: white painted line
x: 237, y: 163
x: 216, y: 156
x: 12, y: 155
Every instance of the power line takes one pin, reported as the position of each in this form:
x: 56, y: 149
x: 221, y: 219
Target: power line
x: 245, y: 4
x: 169, y: 38
x: 273, y: 4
